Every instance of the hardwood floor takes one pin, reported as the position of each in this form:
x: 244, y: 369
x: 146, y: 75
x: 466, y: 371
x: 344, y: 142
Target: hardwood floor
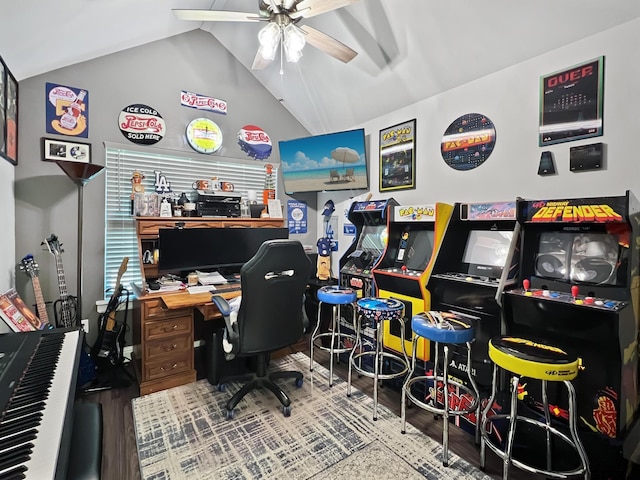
x: 120, y: 458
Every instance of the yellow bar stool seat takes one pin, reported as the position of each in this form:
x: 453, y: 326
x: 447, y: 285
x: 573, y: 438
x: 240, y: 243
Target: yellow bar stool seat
x: 535, y: 359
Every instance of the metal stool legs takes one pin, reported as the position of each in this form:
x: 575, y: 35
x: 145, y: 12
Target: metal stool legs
x: 507, y: 455
x: 430, y: 404
x: 337, y: 338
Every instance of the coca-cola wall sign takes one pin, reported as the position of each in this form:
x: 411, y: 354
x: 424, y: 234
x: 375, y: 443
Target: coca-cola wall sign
x: 67, y: 110
x: 141, y: 124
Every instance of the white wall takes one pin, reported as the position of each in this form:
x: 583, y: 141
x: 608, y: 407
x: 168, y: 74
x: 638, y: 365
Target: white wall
x: 510, y: 98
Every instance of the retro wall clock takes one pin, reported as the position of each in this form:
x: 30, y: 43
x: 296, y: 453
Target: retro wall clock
x: 204, y: 136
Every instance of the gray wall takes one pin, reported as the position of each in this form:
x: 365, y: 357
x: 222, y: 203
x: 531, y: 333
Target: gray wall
x: 153, y: 74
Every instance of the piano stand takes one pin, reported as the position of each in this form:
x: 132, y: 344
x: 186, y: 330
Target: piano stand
x: 85, y: 459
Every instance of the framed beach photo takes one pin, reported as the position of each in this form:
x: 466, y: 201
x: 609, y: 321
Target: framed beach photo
x: 53, y: 150
x: 398, y: 157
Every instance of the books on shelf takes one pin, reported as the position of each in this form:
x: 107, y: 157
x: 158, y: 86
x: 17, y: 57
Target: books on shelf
x: 16, y: 314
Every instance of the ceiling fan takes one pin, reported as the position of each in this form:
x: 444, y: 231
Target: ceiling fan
x: 282, y: 29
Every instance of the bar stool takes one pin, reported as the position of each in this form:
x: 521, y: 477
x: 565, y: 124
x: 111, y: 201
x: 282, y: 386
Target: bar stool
x: 535, y: 359
x: 375, y: 311
x: 448, y: 329
x: 335, y: 296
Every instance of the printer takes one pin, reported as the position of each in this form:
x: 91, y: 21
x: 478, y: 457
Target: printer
x: 218, y: 204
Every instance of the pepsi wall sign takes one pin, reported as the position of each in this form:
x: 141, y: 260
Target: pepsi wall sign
x: 141, y: 124
x: 254, y: 142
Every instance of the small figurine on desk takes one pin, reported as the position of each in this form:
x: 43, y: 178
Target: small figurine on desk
x: 136, y: 186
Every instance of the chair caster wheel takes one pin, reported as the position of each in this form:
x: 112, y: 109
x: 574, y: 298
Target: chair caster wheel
x: 221, y: 387
x: 229, y: 414
x: 286, y: 411
x: 299, y: 382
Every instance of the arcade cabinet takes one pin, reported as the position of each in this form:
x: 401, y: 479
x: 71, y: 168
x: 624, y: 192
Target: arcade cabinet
x: 414, y: 237
x: 474, y: 265
x: 579, y: 271
x: 370, y: 221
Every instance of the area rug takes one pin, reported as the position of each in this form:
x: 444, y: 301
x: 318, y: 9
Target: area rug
x: 182, y: 433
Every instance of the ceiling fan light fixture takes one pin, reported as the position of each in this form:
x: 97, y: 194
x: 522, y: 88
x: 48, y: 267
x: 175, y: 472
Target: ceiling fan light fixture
x: 293, y: 42
x: 269, y: 38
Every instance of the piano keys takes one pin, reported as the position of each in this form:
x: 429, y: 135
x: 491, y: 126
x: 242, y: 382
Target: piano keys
x: 38, y: 374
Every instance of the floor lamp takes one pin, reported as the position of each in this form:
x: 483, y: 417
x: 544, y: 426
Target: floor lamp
x: 80, y: 173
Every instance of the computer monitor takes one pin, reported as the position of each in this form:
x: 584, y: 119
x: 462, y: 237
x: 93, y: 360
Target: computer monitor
x: 211, y: 249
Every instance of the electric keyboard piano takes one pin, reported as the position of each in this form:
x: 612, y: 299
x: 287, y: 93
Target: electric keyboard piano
x: 38, y: 374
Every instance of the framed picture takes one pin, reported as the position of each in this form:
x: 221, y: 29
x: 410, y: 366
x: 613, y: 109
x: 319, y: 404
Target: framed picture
x: 53, y: 149
x: 8, y: 114
x: 398, y: 157
x: 571, y: 102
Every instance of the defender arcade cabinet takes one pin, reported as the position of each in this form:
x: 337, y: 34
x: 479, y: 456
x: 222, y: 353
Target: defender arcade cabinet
x: 415, y: 234
x: 580, y: 284
x: 370, y: 220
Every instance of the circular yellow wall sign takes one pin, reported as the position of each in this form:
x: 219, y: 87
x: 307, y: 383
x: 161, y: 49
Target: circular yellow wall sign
x: 204, y: 135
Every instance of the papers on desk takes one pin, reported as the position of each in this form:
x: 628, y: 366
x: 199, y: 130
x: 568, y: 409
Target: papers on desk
x: 213, y: 278
x: 201, y: 289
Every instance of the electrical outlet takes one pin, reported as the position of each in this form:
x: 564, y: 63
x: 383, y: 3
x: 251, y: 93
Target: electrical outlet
x: 85, y: 325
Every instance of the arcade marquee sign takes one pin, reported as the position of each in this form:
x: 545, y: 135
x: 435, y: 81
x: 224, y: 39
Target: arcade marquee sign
x: 574, y: 211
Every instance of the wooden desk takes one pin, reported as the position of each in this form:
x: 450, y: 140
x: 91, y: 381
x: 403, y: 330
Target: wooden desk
x: 163, y: 335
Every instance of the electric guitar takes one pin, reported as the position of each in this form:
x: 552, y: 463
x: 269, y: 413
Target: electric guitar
x: 110, y: 342
x: 65, y: 308
x: 29, y: 266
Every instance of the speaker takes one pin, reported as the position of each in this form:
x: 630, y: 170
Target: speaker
x: 546, y: 166
x: 586, y: 157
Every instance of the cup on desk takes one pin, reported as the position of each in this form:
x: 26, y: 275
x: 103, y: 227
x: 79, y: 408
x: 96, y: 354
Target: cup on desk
x: 192, y: 279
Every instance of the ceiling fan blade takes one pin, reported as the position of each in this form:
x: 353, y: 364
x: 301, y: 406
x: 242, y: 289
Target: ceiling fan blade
x: 259, y: 62
x: 311, y: 8
x: 215, y: 16
x: 328, y: 44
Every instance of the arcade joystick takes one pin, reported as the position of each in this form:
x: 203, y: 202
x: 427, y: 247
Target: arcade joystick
x: 574, y: 294
x: 526, y: 284
x: 404, y: 269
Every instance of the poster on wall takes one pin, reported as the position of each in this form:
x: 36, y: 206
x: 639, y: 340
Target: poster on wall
x: 11, y: 117
x: 297, y: 216
x: 67, y: 111
x: 398, y: 157
x: 2, y: 107
x: 468, y: 141
x: 571, y: 103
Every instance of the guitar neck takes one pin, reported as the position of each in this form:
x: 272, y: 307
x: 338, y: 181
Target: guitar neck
x: 65, y: 311
x: 42, y: 309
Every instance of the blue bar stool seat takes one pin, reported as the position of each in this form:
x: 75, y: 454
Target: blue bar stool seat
x: 534, y: 359
x: 337, y: 297
x: 374, y: 311
x: 448, y: 329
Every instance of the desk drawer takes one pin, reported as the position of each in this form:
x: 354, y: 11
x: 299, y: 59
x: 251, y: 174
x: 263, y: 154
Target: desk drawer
x: 156, y: 309
x: 178, y: 363
x: 172, y: 346
x: 161, y: 329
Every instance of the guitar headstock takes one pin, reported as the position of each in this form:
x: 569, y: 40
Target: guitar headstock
x: 29, y: 265
x: 53, y: 244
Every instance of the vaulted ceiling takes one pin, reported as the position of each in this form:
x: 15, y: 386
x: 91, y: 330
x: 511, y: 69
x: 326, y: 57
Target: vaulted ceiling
x: 408, y: 50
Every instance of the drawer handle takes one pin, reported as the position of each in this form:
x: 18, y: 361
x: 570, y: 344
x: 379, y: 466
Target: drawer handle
x: 174, y: 327
x: 168, y: 348
x: 168, y: 367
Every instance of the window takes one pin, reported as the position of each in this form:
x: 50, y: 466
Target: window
x: 180, y: 170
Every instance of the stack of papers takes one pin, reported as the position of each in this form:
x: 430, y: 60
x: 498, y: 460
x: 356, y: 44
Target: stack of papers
x: 201, y: 289
x: 213, y: 278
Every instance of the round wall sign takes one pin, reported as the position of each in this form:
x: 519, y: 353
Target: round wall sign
x: 204, y: 135
x: 141, y: 124
x: 468, y: 141
x: 254, y: 142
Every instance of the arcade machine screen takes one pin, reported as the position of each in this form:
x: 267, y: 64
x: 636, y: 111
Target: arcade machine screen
x: 580, y: 258
x: 415, y: 251
x: 373, y: 239
x: 486, y: 251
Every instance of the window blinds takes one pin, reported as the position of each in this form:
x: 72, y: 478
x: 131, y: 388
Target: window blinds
x: 180, y: 170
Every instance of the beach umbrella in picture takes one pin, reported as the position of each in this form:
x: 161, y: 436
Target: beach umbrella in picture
x: 345, y: 155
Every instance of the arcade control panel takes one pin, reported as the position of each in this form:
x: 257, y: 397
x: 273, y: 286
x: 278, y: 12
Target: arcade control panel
x: 571, y: 298
x: 463, y: 277
x: 402, y: 271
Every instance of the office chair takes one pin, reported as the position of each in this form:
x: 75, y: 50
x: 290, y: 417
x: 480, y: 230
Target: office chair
x: 270, y: 316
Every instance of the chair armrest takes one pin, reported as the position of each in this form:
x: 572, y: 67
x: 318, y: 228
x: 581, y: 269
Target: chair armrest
x: 232, y: 335
x: 222, y: 304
